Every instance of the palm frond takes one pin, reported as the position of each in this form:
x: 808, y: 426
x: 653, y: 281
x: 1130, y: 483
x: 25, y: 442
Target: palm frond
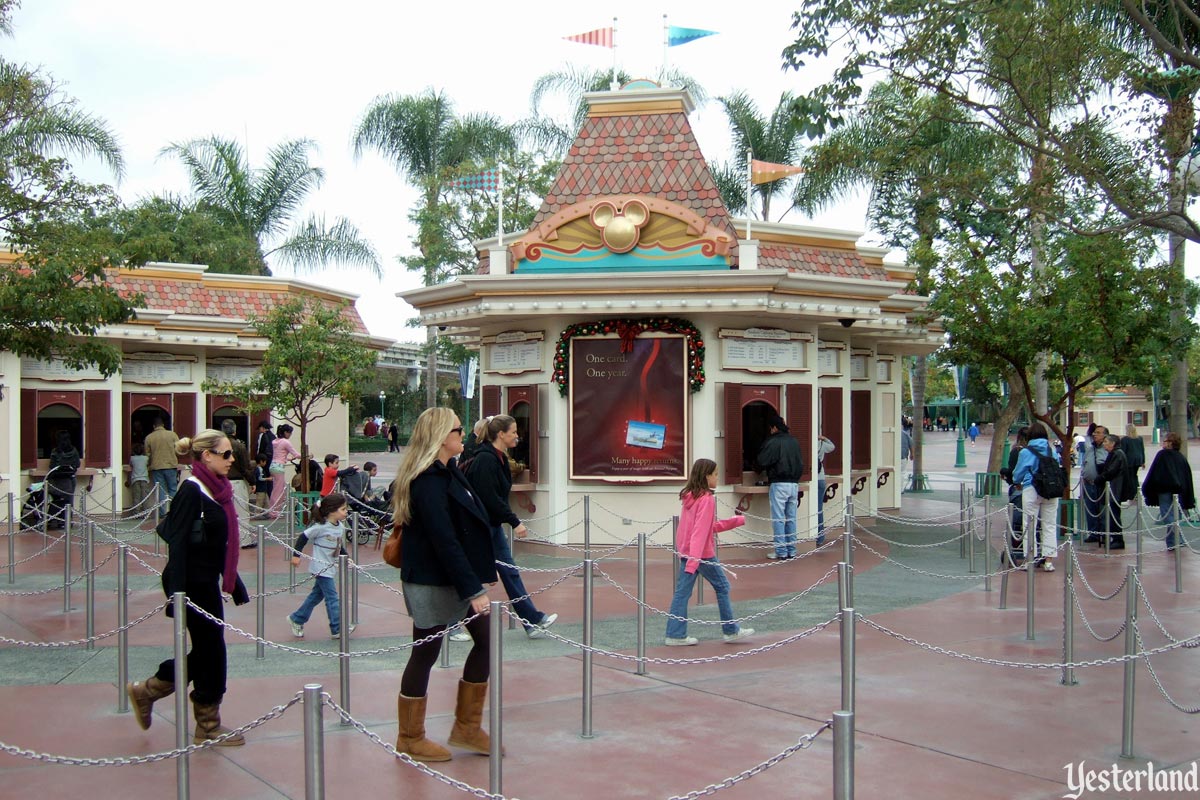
x: 220, y: 178
x: 283, y: 186
x: 313, y: 245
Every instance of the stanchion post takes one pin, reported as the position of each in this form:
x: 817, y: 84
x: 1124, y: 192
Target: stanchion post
x: 1131, y: 589
x: 512, y: 618
x: 1106, y: 501
x: 987, y: 543
x: 444, y: 663
x: 587, y: 647
x: 260, y: 602
x: 971, y: 540
x: 674, y: 561
x: 116, y: 507
x: 496, y: 700
x: 1068, y: 673
x: 1029, y: 586
x: 641, y: 609
x: 843, y: 755
x: 344, y: 637
x: 66, y: 565
x: 354, y: 573
x: 962, y: 520
x: 122, y: 633
x: 179, y: 601
x: 314, y: 743
x: 587, y: 527
x: 843, y: 575
x: 848, y: 665
x: 1179, y: 544
x: 1137, y: 530
x: 89, y: 565
x: 45, y: 508
x: 12, y: 539
x: 155, y: 490
x: 848, y: 549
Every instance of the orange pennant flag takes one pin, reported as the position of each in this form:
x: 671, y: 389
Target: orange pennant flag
x: 765, y: 171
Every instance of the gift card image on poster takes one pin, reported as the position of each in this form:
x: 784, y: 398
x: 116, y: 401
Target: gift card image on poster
x: 645, y: 434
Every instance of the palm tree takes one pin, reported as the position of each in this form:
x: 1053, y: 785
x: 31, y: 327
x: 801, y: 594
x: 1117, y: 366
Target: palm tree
x: 555, y: 137
x: 775, y: 139
x: 264, y: 202
x: 426, y: 141
x: 914, y: 151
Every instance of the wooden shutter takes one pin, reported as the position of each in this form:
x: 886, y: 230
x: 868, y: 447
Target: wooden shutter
x: 491, y: 401
x: 97, y: 406
x: 528, y: 394
x: 831, y: 426
x: 800, y: 422
x: 126, y: 424
x: 860, y: 429
x: 29, y: 412
x: 733, y: 433
x: 183, y: 418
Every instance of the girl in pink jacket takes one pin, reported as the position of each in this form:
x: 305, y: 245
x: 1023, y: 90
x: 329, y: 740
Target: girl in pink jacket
x: 695, y: 543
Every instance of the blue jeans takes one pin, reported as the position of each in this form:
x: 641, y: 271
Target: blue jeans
x: 168, y: 479
x: 1093, y: 506
x: 712, y: 572
x: 1166, y: 516
x: 511, y: 578
x: 784, y: 499
x: 323, y: 587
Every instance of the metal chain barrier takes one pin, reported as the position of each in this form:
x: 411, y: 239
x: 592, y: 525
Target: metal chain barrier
x: 820, y: 581
x: 38, y: 554
x: 1088, y: 586
x: 1154, y: 675
x: 61, y: 586
x: 96, y: 638
x: 1088, y: 625
x: 804, y: 743
x: 972, y: 577
x: 910, y: 544
x: 996, y: 662
x: 274, y: 713
x: 829, y: 545
x: 1154, y: 615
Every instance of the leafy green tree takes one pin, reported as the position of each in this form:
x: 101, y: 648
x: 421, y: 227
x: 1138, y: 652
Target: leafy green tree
x: 426, y: 141
x: 313, y: 360
x: 167, y: 229
x: 54, y: 296
x: 263, y: 203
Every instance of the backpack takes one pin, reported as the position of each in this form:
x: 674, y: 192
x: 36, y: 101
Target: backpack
x: 1050, y: 480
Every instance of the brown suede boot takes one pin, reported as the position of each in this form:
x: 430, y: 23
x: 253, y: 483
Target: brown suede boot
x: 410, y: 711
x: 468, y: 714
x: 208, y: 726
x: 143, y: 695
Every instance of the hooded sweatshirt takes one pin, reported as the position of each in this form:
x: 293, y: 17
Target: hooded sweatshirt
x: 1027, y: 462
x: 698, y: 527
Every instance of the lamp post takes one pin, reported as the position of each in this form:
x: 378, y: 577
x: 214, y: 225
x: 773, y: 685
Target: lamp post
x: 382, y: 402
x: 1007, y: 444
x: 960, y: 453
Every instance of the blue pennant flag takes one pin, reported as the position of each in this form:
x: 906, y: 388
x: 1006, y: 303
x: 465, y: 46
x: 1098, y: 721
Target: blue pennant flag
x: 677, y: 35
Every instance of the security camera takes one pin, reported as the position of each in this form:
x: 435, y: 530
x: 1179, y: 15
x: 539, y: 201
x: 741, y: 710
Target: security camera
x: 846, y: 322
x: 442, y: 327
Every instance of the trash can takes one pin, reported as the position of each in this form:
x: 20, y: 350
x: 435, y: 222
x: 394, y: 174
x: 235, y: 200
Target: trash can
x: 988, y: 484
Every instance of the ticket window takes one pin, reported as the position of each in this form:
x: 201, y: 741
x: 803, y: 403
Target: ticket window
x: 141, y: 422
x: 240, y: 420
x: 748, y: 413
x: 522, y: 406
x: 53, y: 419
x: 756, y: 427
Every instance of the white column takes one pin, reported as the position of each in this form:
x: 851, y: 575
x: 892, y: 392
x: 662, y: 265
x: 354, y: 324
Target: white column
x: 748, y: 254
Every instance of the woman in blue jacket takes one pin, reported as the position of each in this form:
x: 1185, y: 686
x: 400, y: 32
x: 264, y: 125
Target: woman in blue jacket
x: 1037, y: 508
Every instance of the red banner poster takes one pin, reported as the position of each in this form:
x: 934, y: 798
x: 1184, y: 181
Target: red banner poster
x: 629, y: 408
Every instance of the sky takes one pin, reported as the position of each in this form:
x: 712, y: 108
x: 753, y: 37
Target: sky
x: 265, y: 71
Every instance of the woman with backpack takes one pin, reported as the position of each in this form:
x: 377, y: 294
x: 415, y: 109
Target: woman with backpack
x: 1038, y: 457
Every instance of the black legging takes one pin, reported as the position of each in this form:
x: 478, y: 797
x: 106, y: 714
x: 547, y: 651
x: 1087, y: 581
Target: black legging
x: 415, y: 681
x: 206, y: 665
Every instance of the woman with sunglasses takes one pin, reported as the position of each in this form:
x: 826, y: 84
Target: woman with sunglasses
x: 202, y: 555
x: 447, y: 559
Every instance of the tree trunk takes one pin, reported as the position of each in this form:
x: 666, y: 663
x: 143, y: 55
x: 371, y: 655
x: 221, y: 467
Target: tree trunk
x: 431, y: 363
x: 1004, y: 420
x: 1177, y: 134
x: 1037, y: 263
x: 920, y: 375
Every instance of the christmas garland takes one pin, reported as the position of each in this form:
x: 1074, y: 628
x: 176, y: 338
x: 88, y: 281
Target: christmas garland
x: 628, y: 330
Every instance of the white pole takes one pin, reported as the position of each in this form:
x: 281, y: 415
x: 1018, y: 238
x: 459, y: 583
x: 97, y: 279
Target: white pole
x: 500, y: 204
x: 666, y: 45
x: 749, y: 189
x: 612, y: 84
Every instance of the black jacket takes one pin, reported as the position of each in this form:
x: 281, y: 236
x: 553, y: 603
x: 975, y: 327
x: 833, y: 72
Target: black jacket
x: 64, y: 463
x: 448, y: 540
x: 781, y: 458
x: 266, y: 441
x: 488, y: 472
x: 1169, y: 473
x: 196, y: 557
x: 1113, y: 471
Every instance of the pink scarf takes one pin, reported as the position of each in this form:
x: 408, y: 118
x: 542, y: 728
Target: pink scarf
x: 222, y: 492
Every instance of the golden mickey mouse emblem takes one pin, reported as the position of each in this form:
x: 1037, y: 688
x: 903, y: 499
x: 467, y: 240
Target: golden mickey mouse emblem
x: 621, y: 227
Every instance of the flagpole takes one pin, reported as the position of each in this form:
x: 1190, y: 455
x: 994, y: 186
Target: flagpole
x: 666, y: 44
x: 749, y: 189
x: 612, y: 84
x: 500, y: 206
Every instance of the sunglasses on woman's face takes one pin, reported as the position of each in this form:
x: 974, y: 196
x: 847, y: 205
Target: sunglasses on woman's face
x: 457, y: 430
x: 225, y: 454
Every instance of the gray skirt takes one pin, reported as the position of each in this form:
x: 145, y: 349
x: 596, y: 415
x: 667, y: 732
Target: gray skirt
x: 431, y: 606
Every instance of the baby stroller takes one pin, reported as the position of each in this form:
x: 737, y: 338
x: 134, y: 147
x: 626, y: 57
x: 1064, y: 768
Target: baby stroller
x: 34, y: 508
x: 43, y: 503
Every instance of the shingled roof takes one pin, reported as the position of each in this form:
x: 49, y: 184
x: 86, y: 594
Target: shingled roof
x: 814, y: 260
x: 642, y: 146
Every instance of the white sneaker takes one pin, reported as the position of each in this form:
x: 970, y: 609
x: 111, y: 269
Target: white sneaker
x: 297, y: 629
x: 338, y: 635
x: 538, y: 631
x: 741, y: 633
x: 460, y: 635
x: 771, y: 555
x: 686, y: 641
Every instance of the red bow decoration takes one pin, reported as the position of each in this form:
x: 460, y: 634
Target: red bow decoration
x: 628, y: 333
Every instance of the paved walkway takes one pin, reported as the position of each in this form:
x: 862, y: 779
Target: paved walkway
x: 929, y: 724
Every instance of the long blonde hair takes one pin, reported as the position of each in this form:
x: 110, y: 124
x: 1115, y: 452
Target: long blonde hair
x: 432, y: 428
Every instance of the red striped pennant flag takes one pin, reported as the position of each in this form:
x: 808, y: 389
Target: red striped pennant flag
x: 487, y: 181
x: 601, y: 37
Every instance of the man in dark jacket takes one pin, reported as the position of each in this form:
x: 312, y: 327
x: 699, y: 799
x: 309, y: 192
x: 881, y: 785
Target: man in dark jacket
x: 1113, y: 472
x: 781, y: 459
x: 265, y: 443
